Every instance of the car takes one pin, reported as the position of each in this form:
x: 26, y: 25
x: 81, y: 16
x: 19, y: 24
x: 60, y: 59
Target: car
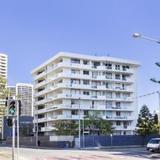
x: 154, y: 145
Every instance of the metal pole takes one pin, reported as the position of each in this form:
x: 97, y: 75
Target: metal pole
x: 111, y: 139
x: 17, y: 130
x: 79, y: 127
x: 159, y: 110
x: 13, y: 138
x: 83, y: 131
x: 36, y: 127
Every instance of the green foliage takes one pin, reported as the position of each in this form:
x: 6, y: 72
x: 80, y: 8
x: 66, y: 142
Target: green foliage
x: 66, y: 127
x: 146, y: 124
x: 3, y: 90
x: 96, y: 125
x: 93, y: 123
x: 156, y: 119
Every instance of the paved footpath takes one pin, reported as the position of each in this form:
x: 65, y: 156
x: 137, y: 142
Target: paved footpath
x: 45, y: 154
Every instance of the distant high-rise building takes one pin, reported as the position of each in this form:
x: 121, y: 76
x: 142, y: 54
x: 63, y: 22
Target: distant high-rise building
x: 12, y: 91
x: 24, y: 92
x: 3, y: 65
x: 3, y: 74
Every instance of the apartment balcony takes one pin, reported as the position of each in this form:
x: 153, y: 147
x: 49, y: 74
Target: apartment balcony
x: 49, y: 128
x: 37, y: 85
x: 40, y: 75
x: 40, y: 102
x: 122, y: 127
x: 64, y: 117
x: 39, y: 120
x: 40, y: 93
x: 121, y: 118
x: 114, y: 108
x: 70, y: 117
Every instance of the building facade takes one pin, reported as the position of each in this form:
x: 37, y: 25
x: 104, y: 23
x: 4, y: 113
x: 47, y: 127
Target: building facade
x: 3, y: 65
x: 24, y: 92
x: 3, y: 74
x: 11, y: 91
x: 70, y: 86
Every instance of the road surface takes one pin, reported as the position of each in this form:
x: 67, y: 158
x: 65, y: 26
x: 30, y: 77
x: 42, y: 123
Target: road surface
x: 49, y: 154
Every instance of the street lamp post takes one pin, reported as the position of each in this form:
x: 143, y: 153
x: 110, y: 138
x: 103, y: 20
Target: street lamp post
x: 138, y: 35
x: 158, y: 92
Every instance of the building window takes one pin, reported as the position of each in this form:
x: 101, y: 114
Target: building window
x: 117, y: 76
x: 118, y: 104
x: 117, y: 67
x: 118, y: 95
x: 118, y: 123
x: 85, y: 62
x: 108, y: 66
x: 92, y: 104
x: 118, y: 113
x: 75, y: 81
x: 108, y: 75
x: 74, y: 60
x: 86, y: 112
x: 86, y: 82
x: 73, y: 101
x: 74, y: 112
x: 86, y: 93
x: 124, y: 68
x: 86, y: 72
x: 95, y: 64
x: 75, y: 71
x: 124, y: 77
x: 108, y: 104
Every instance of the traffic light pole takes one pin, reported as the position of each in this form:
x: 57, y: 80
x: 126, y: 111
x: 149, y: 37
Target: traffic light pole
x: 17, y: 130
x: 13, y: 138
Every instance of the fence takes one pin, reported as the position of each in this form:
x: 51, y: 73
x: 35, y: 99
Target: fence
x: 44, y: 141
x: 88, y: 141
x: 119, y: 140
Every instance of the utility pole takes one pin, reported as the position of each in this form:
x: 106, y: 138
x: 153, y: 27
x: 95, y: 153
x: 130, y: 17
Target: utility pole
x: 13, y: 138
x: 18, y: 105
x: 159, y: 110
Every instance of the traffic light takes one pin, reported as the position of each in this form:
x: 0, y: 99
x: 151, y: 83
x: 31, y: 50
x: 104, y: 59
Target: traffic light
x: 12, y: 108
x: 9, y: 122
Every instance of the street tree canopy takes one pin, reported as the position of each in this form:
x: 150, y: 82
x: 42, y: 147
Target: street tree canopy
x: 146, y: 123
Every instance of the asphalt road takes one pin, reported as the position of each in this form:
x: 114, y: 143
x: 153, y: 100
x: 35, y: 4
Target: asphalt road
x: 109, y: 154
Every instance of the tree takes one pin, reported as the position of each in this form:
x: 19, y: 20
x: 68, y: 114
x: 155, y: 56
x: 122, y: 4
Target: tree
x: 66, y: 127
x: 3, y: 90
x: 156, y: 118
x: 96, y: 125
x: 145, y: 123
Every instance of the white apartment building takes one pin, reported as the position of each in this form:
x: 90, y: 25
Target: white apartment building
x: 70, y: 86
x: 24, y: 92
x: 3, y: 74
x: 3, y: 65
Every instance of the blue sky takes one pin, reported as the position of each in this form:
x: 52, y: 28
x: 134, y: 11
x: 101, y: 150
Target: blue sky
x: 31, y: 31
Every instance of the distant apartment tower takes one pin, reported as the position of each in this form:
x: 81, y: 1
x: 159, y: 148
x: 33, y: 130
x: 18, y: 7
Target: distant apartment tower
x: 24, y: 92
x: 3, y: 65
x: 71, y: 86
x: 11, y: 91
x: 3, y: 74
